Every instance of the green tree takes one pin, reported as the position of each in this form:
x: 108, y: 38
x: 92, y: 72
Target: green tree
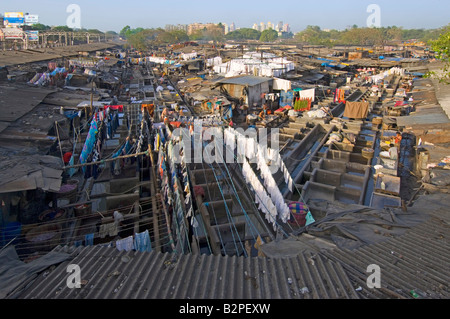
x: 124, y: 31
x: 138, y: 41
x: 315, y: 36
x: 244, y: 34
x: 363, y: 36
x: 94, y: 31
x: 179, y: 36
x: 441, y: 47
x: 268, y: 36
x: 63, y: 28
x: 394, y: 33
x: 40, y: 27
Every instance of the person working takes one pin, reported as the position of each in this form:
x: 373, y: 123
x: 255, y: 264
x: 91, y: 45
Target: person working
x: 264, y: 112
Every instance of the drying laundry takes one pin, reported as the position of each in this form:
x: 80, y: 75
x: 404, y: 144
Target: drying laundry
x: 109, y: 229
x: 142, y: 242
x: 281, y: 84
x: 126, y: 244
x: 89, y: 240
x: 356, y: 110
x: 262, y: 199
x: 308, y: 94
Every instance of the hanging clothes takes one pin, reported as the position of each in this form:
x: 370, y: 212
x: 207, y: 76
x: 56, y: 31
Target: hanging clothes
x: 273, y: 189
x: 339, y: 96
x: 262, y: 199
x: 356, y: 110
x: 78, y: 243
x: 89, y: 240
x: 241, y: 145
x: 309, y: 219
x: 308, y: 94
x: 110, y: 229
x: 250, y: 148
x: 126, y: 244
x: 142, y: 242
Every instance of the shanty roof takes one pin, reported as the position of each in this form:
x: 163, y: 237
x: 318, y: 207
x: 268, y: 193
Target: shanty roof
x: 30, y: 172
x: 110, y: 274
x: 416, y: 260
x: 249, y: 80
x: 20, y: 100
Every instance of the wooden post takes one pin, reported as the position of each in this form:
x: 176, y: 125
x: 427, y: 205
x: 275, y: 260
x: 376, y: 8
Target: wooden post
x: 92, y: 97
x: 59, y: 141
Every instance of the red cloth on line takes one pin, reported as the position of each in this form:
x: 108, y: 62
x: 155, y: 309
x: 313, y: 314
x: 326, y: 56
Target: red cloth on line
x: 115, y: 107
x: 199, y: 191
x: 66, y: 157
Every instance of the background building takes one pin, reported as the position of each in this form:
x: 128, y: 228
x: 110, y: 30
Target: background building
x: 262, y: 27
x: 191, y: 28
x: 172, y: 27
x: 279, y: 26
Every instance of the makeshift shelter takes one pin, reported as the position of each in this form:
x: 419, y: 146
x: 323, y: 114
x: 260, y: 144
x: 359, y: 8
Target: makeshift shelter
x: 248, y: 87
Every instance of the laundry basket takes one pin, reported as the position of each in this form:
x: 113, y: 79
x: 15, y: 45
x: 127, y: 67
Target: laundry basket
x: 298, y: 212
x: 69, y: 190
x: 44, y: 237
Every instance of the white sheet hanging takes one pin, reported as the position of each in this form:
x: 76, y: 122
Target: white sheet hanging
x: 308, y: 94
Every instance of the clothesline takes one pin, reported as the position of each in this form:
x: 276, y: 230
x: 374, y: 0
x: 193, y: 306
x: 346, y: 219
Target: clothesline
x: 107, y: 160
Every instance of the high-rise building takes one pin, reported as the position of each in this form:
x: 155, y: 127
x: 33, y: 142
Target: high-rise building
x: 191, y: 28
x: 226, y: 28
x: 279, y: 26
x: 232, y: 27
x: 286, y: 28
x: 172, y: 27
x: 262, y: 27
x: 270, y: 25
x: 183, y: 27
x: 255, y: 27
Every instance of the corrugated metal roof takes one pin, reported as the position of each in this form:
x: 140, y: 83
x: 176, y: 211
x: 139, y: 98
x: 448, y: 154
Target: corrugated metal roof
x: 107, y: 273
x: 416, y: 261
x: 249, y: 80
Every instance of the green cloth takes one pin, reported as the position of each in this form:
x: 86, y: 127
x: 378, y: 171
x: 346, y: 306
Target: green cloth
x: 309, y: 219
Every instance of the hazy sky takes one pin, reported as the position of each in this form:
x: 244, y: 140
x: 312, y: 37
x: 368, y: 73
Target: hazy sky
x: 328, y: 14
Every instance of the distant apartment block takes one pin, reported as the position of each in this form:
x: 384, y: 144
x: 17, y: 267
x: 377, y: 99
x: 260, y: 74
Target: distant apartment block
x: 191, y: 28
x: 172, y: 27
